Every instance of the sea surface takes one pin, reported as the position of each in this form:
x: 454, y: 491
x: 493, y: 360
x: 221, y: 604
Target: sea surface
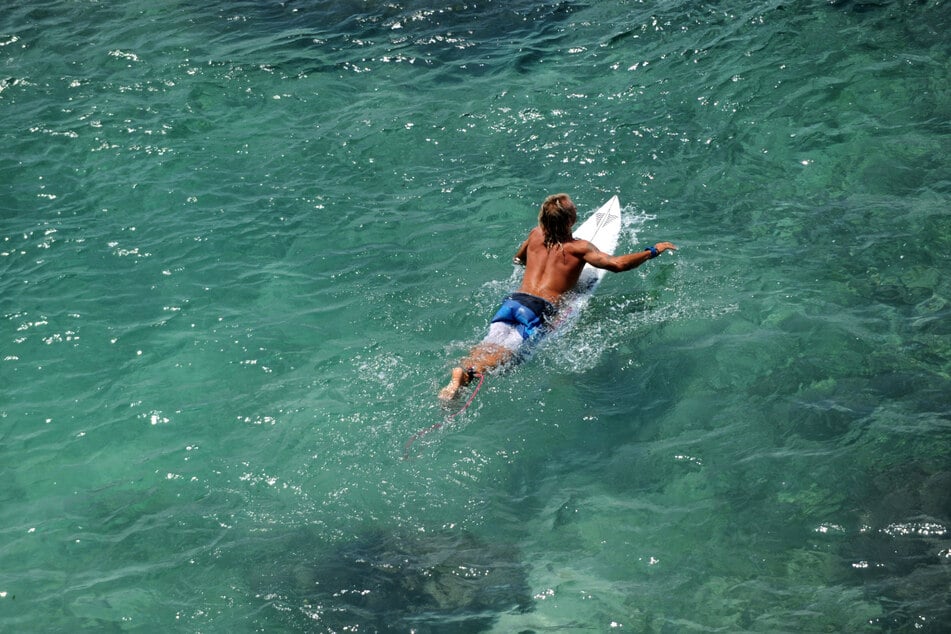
x: 242, y: 245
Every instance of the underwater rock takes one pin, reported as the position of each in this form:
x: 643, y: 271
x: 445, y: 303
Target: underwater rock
x: 568, y: 512
x: 936, y: 496
x: 449, y: 581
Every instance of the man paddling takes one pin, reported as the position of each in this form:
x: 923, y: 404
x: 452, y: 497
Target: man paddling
x: 553, y: 261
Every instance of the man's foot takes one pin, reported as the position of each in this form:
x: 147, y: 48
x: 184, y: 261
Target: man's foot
x: 459, y: 378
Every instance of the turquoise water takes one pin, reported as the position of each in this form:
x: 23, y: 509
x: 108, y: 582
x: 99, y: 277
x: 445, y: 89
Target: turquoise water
x: 242, y: 244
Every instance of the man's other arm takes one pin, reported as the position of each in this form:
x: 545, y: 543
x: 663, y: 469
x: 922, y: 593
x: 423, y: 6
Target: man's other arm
x: 619, y: 263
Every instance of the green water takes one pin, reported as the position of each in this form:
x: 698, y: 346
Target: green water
x: 242, y: 244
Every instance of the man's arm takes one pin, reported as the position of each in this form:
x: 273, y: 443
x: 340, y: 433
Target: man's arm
x: 618, y: 263
x: 521, y: 256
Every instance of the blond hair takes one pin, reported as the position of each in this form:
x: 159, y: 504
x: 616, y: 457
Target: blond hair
x: 557, y: 215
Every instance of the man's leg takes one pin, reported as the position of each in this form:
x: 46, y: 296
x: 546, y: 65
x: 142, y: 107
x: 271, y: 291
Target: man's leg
x: 459, y: 378
x: 482, y: 358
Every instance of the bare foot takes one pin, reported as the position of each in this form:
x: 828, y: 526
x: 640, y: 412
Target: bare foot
x: 450, y: 392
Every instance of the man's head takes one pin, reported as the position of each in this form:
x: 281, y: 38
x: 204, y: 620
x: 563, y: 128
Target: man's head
x: 556, y: 217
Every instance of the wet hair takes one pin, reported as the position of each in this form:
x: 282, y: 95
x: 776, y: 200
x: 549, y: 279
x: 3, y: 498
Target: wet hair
x: 557, y: 215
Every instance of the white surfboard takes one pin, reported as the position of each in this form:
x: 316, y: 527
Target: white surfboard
x: 602, y: 228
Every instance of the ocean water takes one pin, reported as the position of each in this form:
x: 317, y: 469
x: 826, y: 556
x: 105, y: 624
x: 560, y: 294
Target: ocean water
x: 243, y: 243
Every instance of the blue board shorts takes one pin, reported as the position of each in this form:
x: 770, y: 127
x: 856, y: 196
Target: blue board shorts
x: 520, y: 318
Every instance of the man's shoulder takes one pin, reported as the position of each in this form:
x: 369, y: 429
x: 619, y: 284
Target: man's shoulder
x: 577, y: 245
x: 536, y: 236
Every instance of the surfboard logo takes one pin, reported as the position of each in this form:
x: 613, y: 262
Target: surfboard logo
x: 602, y: 219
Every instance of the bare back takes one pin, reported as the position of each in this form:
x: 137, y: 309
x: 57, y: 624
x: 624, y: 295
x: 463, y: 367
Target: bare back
x: 550, y: 272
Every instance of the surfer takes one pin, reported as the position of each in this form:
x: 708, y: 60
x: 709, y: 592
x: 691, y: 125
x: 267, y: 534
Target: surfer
x: 553, y: 261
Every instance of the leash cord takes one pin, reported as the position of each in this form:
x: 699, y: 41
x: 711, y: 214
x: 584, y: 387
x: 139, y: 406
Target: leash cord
x: 449, y: 418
